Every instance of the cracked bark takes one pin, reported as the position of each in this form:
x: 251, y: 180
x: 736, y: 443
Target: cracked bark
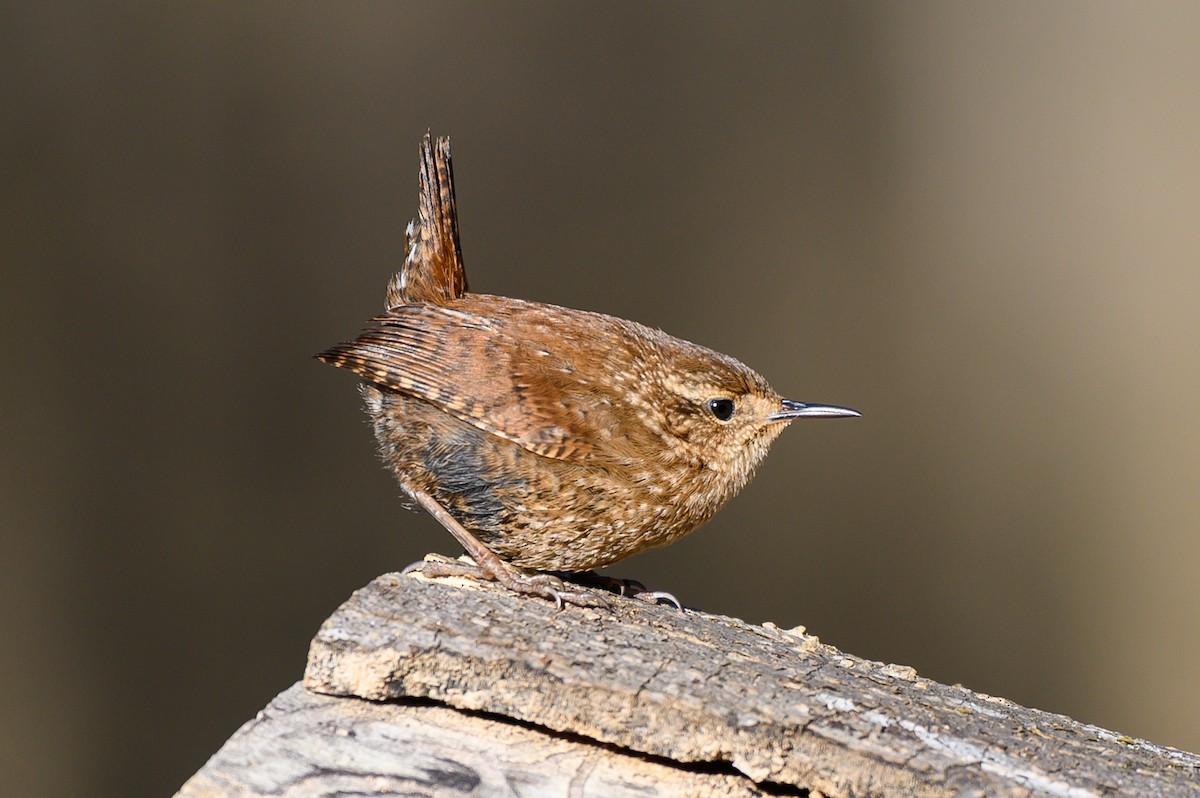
x: 412, y: 682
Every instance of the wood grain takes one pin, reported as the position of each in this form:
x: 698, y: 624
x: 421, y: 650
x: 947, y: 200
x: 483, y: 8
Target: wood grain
x: 763, y: 710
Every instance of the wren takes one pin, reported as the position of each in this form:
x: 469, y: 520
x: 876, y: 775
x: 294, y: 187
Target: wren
x: 545, y: 438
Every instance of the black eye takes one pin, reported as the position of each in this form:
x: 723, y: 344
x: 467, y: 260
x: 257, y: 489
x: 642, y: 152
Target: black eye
x: 721, y: 408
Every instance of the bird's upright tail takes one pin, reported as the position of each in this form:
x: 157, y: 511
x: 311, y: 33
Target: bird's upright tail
x: 432, y: 272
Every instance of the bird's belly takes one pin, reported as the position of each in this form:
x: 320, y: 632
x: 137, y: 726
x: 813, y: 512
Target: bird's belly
x: 532, y: 511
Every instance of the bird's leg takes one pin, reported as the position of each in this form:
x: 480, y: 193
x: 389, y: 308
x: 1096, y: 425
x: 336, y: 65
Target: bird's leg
x: 489, y: 567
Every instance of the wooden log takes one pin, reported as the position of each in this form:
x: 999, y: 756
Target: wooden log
x: 590, y: 701
x: 307, y: 744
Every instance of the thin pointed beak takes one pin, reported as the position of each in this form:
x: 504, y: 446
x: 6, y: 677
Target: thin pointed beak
x: 807, y: 410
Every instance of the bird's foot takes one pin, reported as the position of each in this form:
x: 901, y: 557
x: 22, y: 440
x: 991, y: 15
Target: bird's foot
x: 630, y: 588
x: 547, y: 586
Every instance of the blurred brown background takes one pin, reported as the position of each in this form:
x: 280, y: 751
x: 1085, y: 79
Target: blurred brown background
x: 977, y: 223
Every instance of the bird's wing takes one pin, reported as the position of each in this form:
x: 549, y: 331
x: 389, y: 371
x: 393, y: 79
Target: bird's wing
x: 488, y: 374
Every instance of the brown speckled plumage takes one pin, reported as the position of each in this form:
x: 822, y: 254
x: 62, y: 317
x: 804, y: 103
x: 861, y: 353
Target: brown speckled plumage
x: 562, y: 440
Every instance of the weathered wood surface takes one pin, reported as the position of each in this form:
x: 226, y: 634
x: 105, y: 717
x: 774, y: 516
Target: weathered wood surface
x: 306, y: 744
x: 707, y: 696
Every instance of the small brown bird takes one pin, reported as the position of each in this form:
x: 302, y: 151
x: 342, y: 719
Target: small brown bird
x: 545, y: 438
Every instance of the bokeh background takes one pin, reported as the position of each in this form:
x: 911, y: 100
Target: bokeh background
x: 978, y: 223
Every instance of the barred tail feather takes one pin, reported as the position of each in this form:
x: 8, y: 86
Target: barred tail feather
x: 432, y: 271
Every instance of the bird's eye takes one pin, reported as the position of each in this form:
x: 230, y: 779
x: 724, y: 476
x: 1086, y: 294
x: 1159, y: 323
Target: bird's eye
x: 721, y: 408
